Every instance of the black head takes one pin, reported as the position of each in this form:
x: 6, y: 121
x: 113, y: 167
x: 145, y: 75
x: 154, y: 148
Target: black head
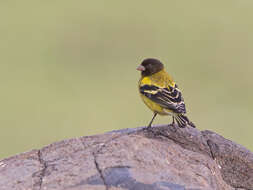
x: 150, y: 66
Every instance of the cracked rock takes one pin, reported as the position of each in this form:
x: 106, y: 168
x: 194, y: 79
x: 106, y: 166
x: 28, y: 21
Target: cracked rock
x: 163, y: 158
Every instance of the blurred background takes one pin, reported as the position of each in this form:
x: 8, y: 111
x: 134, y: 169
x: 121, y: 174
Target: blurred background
x: 68, y: 68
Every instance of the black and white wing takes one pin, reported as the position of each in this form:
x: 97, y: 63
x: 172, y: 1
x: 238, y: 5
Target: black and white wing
x: 169, y: 98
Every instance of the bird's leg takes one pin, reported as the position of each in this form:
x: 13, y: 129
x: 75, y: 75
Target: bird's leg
x: 173, y: 120
x: 172, y: 125
x: 149, y: 125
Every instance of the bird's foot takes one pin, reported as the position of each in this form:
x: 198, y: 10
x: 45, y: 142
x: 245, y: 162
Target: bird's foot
x: 173, y: 126
x: 148, y: 128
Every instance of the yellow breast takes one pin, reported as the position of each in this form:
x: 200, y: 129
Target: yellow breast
x: 161, y: 80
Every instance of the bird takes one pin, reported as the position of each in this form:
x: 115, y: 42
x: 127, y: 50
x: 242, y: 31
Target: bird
x: 160, y: 93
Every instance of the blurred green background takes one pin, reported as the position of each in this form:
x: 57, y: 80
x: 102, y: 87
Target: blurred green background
x: 68, y: 68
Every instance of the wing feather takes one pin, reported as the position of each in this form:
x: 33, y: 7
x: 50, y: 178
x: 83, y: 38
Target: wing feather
x: 169, y: 98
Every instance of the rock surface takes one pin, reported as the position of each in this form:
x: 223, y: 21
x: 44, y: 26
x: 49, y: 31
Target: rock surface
x: 164, y: 158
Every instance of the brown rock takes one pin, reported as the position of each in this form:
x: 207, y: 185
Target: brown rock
x: 164, y: 158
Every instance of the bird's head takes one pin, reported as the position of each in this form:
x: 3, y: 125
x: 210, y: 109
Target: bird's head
x: 150, y: 66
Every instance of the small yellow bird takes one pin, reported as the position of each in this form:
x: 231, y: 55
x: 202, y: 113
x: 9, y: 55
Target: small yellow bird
x: 160, y: 93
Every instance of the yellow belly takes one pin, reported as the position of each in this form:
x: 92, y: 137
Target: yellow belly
x: 161, y: 79
x: 155, y: 107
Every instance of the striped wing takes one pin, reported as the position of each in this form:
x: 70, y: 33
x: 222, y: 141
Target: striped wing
x: 168, y: 98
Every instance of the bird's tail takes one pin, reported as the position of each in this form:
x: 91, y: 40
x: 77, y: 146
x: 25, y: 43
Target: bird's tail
x: 183, y: 121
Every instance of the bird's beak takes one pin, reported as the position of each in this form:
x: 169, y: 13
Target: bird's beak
x: 141, y: 68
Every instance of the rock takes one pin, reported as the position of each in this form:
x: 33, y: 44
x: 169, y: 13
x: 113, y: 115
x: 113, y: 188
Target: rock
x: 164, y: 158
